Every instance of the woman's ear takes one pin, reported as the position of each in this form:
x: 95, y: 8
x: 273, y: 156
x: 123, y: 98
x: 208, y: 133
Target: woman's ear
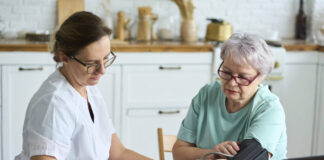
x: 63, y: 57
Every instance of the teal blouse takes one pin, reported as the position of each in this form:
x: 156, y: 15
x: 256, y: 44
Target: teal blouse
x: 208, y: 123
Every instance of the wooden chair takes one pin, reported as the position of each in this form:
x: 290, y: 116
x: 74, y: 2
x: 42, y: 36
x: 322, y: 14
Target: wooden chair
x: 166, y: 142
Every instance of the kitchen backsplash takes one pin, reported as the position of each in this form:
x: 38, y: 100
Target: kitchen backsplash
x: 265, y: 17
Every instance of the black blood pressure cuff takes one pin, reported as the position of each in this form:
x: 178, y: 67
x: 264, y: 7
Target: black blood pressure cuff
x: 250, y: 149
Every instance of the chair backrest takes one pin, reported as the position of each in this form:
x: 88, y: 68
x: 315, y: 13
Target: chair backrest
x: 166, y: 142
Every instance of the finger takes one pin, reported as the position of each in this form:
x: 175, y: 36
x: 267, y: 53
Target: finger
x: 224, y: 150
x: 235, y: 146
x: 231, y: 149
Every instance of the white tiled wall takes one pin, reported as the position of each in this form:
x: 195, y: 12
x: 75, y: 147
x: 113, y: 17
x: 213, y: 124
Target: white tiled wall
x: 258, y: 16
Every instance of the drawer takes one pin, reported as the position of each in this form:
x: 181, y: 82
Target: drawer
x: 140, y: 128
x: 157, y: 86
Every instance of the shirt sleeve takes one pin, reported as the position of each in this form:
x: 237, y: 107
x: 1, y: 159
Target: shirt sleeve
x: 267, y: 126
x: 188, y: 128
x: 49, y: 128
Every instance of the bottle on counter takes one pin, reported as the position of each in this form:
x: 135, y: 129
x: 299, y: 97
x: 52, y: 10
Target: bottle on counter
x: 301, y: 22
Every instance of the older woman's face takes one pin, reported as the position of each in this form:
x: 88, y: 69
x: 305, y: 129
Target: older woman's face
x: 94, y: 53
x: 231, y: 88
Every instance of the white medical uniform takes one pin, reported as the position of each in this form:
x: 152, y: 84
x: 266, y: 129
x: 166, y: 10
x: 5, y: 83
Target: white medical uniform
x: 58, y: 123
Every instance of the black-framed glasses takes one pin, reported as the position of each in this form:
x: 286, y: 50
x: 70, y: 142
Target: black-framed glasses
x: 93, y: 68
x: 238, y: 79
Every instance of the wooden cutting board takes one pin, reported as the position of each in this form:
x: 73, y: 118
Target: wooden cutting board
x: 65, y: 8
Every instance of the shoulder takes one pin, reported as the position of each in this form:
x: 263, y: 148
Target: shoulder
x: 266, y: 102
x: 54, y: 94
x: 207, y: 95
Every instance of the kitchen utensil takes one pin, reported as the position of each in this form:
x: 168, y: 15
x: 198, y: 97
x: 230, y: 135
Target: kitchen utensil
x: 322, y: 29
x: 10, y: 34
x: 144, y: 23
x: 218, y: 30
x: 127, y: 34
x: 2, y: 27
x: 120, y: 26
x: 42, y: 36
x: 301, y: 20
x: 65, y: 8
x: 153, y: 31
x: 188, y: 30
x: 166, y: 27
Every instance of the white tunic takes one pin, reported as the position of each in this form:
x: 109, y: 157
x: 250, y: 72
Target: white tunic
x: 58, y: 123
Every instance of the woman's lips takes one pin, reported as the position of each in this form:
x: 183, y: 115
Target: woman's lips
x: 95, y: 78
x: 232, y: 91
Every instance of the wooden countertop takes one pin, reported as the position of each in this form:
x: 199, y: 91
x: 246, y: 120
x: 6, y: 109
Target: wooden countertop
x: 300, y: 45
x: 155, y: 46
x: 132, y: 46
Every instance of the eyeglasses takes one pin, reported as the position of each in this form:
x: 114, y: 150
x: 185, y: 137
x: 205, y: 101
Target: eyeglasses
x: 238, y: 79
x: 92, y: 68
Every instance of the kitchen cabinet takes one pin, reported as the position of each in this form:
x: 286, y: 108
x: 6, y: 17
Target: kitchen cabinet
x: 140, y: 128
x: 19, y: 83
x: 298, y: 100
x: 143, y: 91
x: 151, y: 86
x: 319, y: 118
x: 157, y: 96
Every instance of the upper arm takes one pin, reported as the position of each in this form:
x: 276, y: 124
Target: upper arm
x: 267, y: 126
x: 42, y: 157
x: 49, y: 127
x: 188, y: 127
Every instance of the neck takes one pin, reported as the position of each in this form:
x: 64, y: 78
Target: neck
x: 79, y: 88
x: 234, y: 106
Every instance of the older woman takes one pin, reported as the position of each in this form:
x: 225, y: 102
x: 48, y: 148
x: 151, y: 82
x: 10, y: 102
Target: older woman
x: 224, y: 115
x: 67, y: 118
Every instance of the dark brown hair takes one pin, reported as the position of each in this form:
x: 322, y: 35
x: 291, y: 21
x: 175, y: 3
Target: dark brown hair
x: 76, y: 32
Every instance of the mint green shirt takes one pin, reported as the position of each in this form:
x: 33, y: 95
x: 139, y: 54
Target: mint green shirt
x: 208, y: 123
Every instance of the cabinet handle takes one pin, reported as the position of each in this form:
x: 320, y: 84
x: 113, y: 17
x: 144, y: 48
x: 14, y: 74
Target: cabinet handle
x: 276, y: 64
x: 30, y: 69
x: 170, y: 68
x: 169, y: 112
x: 274, y: 78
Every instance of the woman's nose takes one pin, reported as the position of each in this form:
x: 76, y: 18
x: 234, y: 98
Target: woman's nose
x: 101, y: 69
x: 232, y: 81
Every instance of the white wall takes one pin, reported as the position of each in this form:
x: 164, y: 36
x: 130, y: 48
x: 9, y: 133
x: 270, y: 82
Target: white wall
x: 258, y: 16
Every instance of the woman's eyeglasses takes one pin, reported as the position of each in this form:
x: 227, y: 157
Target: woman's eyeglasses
x: 238, y: 79
x: 93, y: 68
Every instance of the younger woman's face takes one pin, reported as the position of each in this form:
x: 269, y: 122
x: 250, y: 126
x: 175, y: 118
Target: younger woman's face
x: 94, y: 53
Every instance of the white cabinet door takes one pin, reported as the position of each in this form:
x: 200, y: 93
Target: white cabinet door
x: 299, y: 103
x: 1, y: 146
x: 109, y: 85
x: 157, y: 96
x: 162, y: 85
x: 19, y: 84
x: 141, y: 125
x: 319, y: 122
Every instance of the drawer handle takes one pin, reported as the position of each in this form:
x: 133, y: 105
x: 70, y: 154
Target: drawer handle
x: 30, y: 69
x: 169, y: 112
x: 274, y: 78
x: 170, y: 68
x: 276, y: 64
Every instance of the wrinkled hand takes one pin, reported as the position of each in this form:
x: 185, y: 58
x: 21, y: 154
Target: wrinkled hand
x: 227, y: 147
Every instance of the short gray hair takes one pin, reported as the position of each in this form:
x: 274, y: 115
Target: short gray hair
x: 245, y: 48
